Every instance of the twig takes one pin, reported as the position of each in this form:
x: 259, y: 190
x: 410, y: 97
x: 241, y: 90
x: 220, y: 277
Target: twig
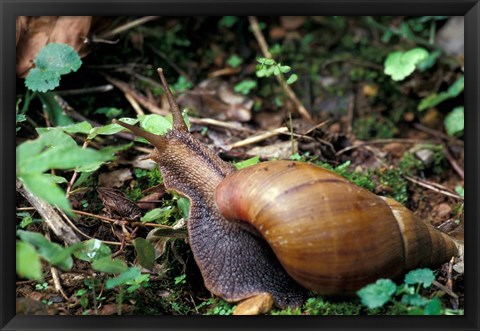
x: 260, y: 137
x: 51, y: 217
x: 54, y: 272
x: 113, y: 221
x: 445, y: 289
x: 211, y: 121
x: 143, y: 100
x: 127, y: 26
x: 74, y: 227
x: 87, y: 90
x: 452, y: 162
x: 433, y: 186
x: 380, y: 141
x: 437, y: 134
x: 57, y: 283
x: 75, y: 174
x: 266, y: 53
x: 134, y: 104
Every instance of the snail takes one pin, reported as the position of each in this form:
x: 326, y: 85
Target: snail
x: 284, y: 227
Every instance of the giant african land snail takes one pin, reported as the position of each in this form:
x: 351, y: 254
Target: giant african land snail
x: 282, y: 227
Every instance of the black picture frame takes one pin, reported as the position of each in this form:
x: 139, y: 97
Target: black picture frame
x: 9, y: 9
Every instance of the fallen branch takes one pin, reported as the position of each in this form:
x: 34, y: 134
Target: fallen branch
x: 62, y: 230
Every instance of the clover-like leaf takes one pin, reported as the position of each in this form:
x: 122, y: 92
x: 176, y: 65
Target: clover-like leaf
x: 423, y: 276
x: 377, y: 294
x: 399, y: 65
x: 51, y: 62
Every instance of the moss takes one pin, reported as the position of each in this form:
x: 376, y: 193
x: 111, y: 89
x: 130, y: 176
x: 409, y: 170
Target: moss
x: 371, y: 127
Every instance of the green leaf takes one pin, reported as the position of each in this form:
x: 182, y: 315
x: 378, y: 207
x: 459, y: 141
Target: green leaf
x: 247, y: 163
x: 53, y: 109
x: 377, y: 294
x: 110, y: 129
x: 227, y: 21
x: 285, y: 69
x: 276, y: 70
x: 28, y: 262
x: 423, y: 276
x: 42, y: 81
x: 82, y: 127
x: 52, y: 252
x: 434, y: 307
x: 455, y: 121
x: 110, y: 112
x: 92, y: 250
x: 292, y: 79
x: 399, y: 65
x: 46, y: 189
x: 127, y: 276
x: 234, y: 61
x: 245, y: 86
x: 157, y: 214
x: 269, y: 62
x: 434, y: 99
x: 414, y: 300
x: 184, y: 205
x: 57, y: 57
x: 145, y: 252
x: 56, y: 179
x: 109, y: 265
x: 430, y: 61
x: 51, y: 62
x: 460, y: 190
x: 155, y: 123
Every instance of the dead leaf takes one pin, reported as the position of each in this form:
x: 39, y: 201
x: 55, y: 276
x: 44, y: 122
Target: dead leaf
x: 215, y: 98
x: 281, y: 151
x: 114, y: 178
x: 33, y: 33
x: 292, y: 22
x: 150, y: 201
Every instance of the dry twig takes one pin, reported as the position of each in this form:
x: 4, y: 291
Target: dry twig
x: 51, y: 217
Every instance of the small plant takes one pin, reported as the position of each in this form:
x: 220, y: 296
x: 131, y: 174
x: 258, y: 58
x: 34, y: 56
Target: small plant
x: 181, y: 280
x: 53, y: 61
x: 381, y: 292
x: 268, y: 67
x: 41, y: 286
x: 400, y: 65
x: 221, y: 308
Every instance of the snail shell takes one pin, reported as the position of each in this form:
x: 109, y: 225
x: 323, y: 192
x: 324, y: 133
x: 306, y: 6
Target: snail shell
x: 330, y: 235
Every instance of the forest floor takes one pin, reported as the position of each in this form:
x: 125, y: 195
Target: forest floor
x: 311, y: 89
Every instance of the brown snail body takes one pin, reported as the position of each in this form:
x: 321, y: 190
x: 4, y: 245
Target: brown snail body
x: 275, y: 225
